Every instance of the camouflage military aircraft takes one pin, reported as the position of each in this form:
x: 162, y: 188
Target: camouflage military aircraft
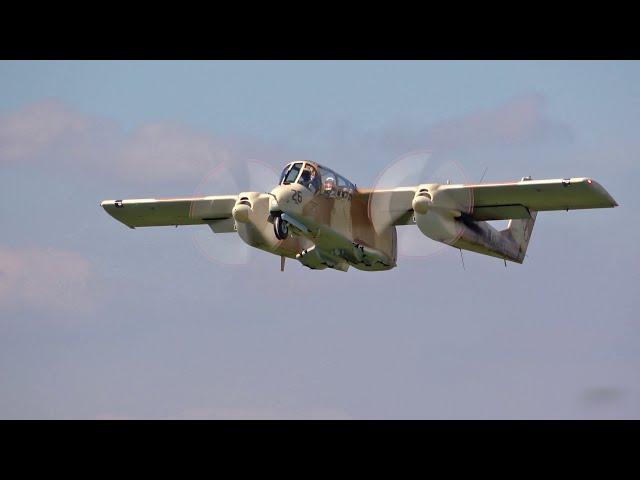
x: 323, y: 220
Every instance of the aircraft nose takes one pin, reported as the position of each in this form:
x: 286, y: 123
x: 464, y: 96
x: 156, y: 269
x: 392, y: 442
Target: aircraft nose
x: 287, y: 198
x: 278, y: 200
x: 274, y: 206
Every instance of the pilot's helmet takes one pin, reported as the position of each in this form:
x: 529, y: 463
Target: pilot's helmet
x: 329, y: 183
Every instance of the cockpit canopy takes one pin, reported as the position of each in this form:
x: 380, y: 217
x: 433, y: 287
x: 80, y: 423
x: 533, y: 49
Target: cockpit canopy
x: 318, y: 179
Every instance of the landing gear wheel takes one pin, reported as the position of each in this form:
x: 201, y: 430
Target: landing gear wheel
x: 280, y: 228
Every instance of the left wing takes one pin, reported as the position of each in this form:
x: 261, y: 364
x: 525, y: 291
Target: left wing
x: 157, y: 212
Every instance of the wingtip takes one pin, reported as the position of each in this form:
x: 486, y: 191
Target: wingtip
x: 603, y: 191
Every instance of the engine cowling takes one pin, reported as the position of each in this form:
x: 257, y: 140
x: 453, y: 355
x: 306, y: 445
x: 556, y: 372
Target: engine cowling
x: 422, y: 201
x: 251, y: 213
x: 439, y: 226
x: 435, y: 215
x: 242, y: 210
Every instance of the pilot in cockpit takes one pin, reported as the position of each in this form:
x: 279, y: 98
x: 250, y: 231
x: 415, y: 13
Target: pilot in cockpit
x: 310, y: 179
x: 305, y: 178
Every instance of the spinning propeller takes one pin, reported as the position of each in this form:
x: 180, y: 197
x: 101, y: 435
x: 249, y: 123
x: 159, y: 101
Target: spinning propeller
x: 248, y: 176
x: 425, y: 171
x: 420, y: 172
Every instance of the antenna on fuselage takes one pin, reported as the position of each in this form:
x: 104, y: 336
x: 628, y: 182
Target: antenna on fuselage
x: 462, y: 259
x: 484, y: 173
x: 282, y: 259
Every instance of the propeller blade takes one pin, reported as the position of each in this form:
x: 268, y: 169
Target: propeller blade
x: 228, y: 178
x: 413, y: 169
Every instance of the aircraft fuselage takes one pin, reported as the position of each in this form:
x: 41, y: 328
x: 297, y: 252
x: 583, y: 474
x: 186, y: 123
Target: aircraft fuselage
x: 327, y: 223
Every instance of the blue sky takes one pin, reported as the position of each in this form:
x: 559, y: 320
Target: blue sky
x: 99, y: 321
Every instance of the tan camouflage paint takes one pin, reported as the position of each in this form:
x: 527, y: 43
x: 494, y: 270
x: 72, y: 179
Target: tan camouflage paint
x: 345, y: 214
x: 350, y: 228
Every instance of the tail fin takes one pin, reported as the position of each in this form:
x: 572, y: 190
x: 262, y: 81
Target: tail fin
x: 519, y: 230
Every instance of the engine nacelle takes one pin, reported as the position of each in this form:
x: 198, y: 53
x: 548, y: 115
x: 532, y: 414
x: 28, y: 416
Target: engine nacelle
x: 422, y: 201
x: 250, y: 213
x: 439, y: 226
x: 436, y: 210
x: 242, y: 210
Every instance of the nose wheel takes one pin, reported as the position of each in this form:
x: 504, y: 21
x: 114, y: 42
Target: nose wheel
x: 280, y: 228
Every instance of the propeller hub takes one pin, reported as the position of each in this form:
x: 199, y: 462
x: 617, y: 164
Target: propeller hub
x: 421, y: 202
x: 242, y: 210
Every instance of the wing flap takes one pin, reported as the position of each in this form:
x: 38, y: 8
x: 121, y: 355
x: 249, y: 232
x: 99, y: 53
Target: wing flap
x: 153, y: 212
x: 228, y: 225
x: 501, y: 212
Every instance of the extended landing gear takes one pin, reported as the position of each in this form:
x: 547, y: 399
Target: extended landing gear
x: 280, y: 228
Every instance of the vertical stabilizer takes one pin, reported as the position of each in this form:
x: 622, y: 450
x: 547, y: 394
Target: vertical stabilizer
x: 520, y: 232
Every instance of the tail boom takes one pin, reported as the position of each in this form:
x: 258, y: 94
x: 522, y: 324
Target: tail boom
x: 481, y: 237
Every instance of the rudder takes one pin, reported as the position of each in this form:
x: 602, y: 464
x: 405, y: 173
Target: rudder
x: 519, y: 230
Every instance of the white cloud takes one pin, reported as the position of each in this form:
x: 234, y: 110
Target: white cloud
x: 44, y: 279
x: 52, y: 133
x: 169, y: 151
x: 520, y: 121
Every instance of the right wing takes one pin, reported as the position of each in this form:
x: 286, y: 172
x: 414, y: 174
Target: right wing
x: 491, y: 201
x: 158, y: 212
x: 500, y: 201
